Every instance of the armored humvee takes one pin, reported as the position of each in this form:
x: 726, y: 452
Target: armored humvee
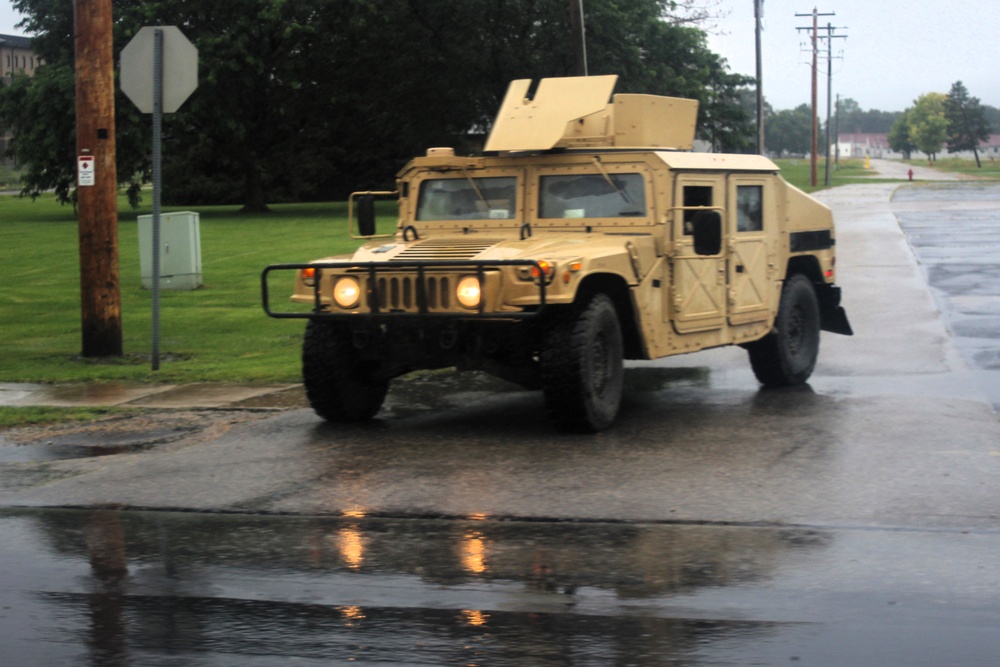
x: 586, y: 233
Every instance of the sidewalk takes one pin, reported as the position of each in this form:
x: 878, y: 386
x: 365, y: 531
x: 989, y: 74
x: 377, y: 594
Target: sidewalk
x: 198, y: 395
x: 900, y: 170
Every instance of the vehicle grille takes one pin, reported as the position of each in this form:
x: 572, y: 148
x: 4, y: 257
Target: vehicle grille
x: 450, y: 248
x: 402, y: 293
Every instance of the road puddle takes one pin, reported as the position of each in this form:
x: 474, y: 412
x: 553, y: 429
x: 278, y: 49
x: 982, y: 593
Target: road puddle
x: 88, y: 442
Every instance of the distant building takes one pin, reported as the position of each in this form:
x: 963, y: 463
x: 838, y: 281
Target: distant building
x: 865, y: 145
x: 877, y: 146
x: 16, y: 57
x: 989, y: 150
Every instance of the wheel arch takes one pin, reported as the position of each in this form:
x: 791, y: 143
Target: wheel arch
x: 807, y: 265
x: 832, y: 316
x: 616, y: 287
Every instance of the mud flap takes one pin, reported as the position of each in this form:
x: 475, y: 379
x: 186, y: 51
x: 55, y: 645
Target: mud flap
x: 834, y: 320
x: 832, y: 316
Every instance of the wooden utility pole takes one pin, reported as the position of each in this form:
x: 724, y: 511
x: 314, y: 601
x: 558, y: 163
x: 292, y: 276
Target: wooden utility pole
x: 829, y: 91
x: 97, y: 186
x: 758, y: 15
x: 815, y: 65
x: 579, y: 30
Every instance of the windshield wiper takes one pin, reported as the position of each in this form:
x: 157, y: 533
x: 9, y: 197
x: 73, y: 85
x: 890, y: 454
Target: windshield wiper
x: 634, y: 210
x: 479, y: 192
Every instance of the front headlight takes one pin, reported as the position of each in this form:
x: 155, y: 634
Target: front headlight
x: 347, y: 292
x: 469, y: 292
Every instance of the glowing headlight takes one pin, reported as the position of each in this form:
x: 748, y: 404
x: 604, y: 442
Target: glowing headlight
x: 469, y: 292
x: 347, y: 292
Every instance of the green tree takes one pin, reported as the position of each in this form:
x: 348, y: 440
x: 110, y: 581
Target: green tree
x: 789, y: 131
x: 661, y: 58
x: 258, y: 127
x: 899, y: 136
x: 992, y: 115
x: 40, y: 111
x: 854, y: 119
x: 693, y: 12
x: 967, y: 124
x: 928, y: 125
x: 39, y: 114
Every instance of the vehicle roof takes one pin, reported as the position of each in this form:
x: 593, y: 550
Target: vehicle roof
x: 716, y: 161
x: 677, y: 160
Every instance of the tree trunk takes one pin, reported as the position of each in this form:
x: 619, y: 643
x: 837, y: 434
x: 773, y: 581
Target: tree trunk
x: 254, y: 197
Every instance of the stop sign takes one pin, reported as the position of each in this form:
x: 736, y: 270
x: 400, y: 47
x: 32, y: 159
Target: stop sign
x: 180, y: 68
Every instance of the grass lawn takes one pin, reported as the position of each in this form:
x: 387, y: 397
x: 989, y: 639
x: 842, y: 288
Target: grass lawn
x: 850, y: 170
x: 990, y: 169
x: 216, y: 333
x: 30, y: 416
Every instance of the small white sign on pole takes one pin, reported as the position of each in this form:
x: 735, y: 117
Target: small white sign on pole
x: 85, y: 170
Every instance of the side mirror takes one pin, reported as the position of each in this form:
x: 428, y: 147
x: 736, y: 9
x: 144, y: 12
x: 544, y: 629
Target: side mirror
x: 706, y: 226
x: 366, y: 215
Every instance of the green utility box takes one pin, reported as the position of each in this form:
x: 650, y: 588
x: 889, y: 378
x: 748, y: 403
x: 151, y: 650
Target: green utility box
x: 180, y: 251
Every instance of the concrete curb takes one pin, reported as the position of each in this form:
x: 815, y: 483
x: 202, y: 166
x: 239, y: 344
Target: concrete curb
x: 112, y: 394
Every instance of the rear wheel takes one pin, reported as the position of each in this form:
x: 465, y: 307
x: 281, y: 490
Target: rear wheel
x: 787, y: 355
x: 582, y: 367
x: 340, y: 387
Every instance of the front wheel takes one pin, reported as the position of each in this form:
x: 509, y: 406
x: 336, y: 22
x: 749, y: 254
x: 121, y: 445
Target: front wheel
x: 582, y: 367
x: 340, y: 388
x: 787, y: 355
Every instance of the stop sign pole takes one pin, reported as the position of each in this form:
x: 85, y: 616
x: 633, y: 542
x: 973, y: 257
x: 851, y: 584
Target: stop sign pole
x: 157, y: 184
x: 174, y: 78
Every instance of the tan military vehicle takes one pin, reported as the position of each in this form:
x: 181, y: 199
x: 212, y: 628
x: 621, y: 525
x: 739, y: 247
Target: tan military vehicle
x: 586, y: 233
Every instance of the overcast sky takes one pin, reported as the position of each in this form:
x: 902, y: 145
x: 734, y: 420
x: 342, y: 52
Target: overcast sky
x: 895, y: 51
x: 7, y: 19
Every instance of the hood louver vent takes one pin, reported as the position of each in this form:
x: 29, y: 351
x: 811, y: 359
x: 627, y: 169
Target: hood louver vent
x: 445, y: 249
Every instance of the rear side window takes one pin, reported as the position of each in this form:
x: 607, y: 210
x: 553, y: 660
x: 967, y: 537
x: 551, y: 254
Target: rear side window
x: 749, y: 208
x: 695, y: 196
x: 493, y: 198
x: 592, y: 196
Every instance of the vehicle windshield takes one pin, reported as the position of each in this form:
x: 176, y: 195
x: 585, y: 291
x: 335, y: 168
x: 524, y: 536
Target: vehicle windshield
x: 592, y: 196
x: 493, y: 198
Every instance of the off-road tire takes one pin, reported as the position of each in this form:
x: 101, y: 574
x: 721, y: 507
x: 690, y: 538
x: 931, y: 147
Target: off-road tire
x: 582, y: 367
x: 340, y: 388
x: 787, y: 355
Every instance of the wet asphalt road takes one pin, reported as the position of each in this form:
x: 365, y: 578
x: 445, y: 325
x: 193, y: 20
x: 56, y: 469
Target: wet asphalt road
x: 853, y: 522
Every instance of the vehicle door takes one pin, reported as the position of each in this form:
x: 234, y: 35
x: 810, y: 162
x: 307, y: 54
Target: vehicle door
x: 750, y: 269
x: 697, y: 294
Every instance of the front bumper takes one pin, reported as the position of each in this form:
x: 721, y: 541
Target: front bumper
x: 412, y: 289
